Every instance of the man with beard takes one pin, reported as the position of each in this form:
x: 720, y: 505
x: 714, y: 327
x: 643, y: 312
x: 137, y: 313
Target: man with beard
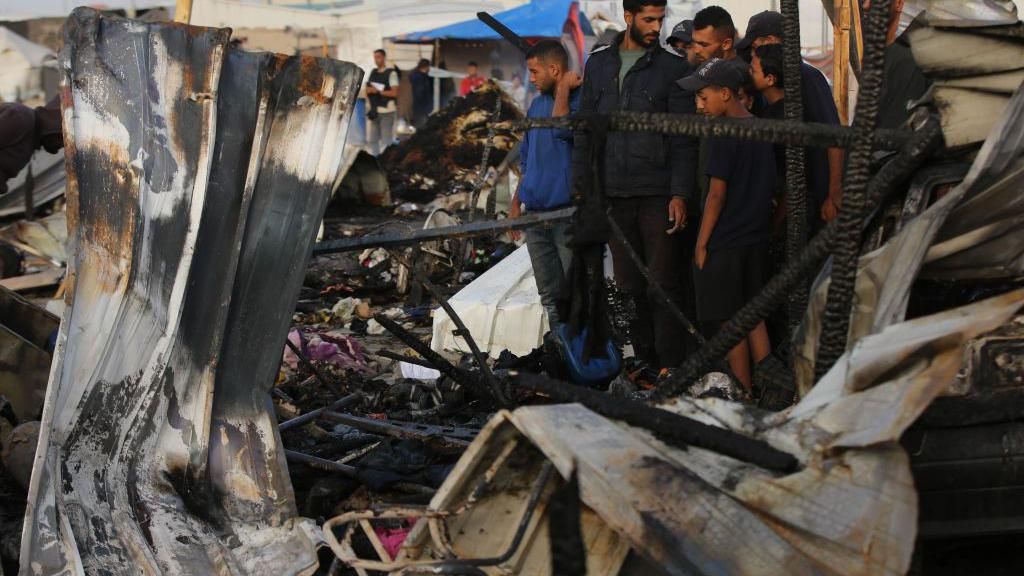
x: 714, y: 35
x: 545, y: 159
x: 648, y: 177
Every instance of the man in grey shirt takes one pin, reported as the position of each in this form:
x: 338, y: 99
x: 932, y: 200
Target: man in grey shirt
x: 381, y: 107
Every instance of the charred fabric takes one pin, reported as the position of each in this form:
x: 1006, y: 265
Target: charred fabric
x: 193, y: 206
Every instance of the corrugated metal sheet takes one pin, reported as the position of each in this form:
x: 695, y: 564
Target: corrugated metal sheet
x: 197, y: 177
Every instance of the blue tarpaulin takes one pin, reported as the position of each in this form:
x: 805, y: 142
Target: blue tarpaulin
x: 538, y: 19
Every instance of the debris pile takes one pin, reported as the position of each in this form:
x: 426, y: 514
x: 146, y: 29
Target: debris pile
x: 444, y: 156
x: 220, y: 402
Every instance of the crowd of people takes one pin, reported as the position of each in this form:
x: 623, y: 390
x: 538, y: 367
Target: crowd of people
x: 702, y: 214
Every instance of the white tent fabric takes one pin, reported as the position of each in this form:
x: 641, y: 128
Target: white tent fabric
x: 18, y: 10
x: 21, y: 62
x: 501, y: 309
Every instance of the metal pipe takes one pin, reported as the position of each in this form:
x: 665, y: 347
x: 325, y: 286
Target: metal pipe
x: 757, y: 129
x: 447, y: 232
x: 321, y: 463
x: 461, y: 329
x: 314, y: 414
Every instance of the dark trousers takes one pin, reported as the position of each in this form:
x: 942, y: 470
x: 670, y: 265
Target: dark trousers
x: 657, y: 336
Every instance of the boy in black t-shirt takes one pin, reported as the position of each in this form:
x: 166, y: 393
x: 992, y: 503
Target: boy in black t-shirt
x: 732, y: 247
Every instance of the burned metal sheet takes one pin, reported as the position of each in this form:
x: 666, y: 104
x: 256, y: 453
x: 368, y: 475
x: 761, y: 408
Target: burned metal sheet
x: 974, y: 231
x: 850, y: 509
x: 197, y: 177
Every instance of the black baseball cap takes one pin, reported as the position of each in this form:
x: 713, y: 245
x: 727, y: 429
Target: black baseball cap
x: 762, y: 24
x: 683, y: 31
x: 714, y: 72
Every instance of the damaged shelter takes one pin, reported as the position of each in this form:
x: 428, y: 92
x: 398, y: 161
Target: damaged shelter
x: 229, y: 396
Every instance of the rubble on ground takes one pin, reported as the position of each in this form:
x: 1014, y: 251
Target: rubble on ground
x: 444, y: 156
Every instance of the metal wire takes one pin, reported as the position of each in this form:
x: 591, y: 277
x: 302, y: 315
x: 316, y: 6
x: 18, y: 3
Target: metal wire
x: 796, y: 185
x: 836, y: 323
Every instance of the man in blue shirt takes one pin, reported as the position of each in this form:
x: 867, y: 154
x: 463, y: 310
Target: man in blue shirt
x: 546, y: 169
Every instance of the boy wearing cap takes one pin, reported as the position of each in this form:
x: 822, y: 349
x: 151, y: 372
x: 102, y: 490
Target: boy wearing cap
x: 732, y: 246
x: 824, y: 171
x: 681, y: 40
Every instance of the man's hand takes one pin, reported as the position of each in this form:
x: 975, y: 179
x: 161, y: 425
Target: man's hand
x: 830, y: 208
x: 371, y: 90
x: 700, y: 256
x: 569, y: 81
x: 515, y: 211
x: 676, y: 214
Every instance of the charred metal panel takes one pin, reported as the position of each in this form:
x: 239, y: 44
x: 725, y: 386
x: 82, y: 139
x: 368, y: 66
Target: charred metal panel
x: 197, y: 176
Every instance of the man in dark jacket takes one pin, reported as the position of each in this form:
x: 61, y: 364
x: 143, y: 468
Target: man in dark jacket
x: 24, y: 130
x: 648, y: 177
x: 824, y: 172
x: 422, y: 92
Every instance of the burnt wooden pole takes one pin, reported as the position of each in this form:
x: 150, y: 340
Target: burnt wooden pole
x: 796, y: 185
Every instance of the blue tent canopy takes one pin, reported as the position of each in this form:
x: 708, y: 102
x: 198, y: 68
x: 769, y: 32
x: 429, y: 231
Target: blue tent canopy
x: 537, y: 19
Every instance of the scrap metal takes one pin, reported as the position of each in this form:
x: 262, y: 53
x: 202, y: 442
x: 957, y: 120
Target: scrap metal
x: 197, y: 176
x: 975, y: 225
x: 849, y: 508
x: 444, y: 233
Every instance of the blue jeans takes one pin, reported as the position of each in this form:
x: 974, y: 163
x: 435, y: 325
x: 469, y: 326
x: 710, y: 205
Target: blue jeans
x: 550, y: 255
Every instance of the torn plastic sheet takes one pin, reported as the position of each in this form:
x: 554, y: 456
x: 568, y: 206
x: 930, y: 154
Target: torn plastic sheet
x: 195, y: 186
x: 850, y: 509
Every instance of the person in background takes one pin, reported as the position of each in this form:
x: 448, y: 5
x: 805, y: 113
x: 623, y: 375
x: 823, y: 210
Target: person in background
x: 904, y: 82
x: 518, y: 92
x: 747, y: 94
x: 545, y: 160
x: 422, y: 92
x: 681, y: 40
x: 648, y: 178
x: 24, y: 130
x: 381, y: 109
x: 730, y: 261
x: 714, y: 35
x: 766, y: 72
x: 824, y: 168
x: 472, y: 81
